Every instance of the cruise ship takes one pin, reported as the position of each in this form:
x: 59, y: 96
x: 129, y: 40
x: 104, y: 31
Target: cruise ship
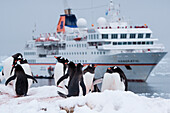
x: 112, y: 42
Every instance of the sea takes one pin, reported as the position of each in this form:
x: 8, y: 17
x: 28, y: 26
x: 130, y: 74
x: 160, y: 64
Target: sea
x: 156, y: 86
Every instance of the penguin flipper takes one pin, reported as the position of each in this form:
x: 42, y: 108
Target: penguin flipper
x: 62, y: 78
x: 62, y: 95
x: 12, y: 70
x: 9, y: 79
x: 31, y: 77
x: 83, y: 86
x: 66, y: 86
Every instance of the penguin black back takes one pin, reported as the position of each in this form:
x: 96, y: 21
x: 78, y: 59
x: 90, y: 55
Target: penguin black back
x: 21, y: 86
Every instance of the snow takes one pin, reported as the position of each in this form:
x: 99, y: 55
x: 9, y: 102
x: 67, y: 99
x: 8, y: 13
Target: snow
x: 45, y: 99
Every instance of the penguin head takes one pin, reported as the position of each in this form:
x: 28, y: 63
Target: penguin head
x: 66, y: 61
x: 17, y: 56
x: 58, y: 58
x: 23, y: 61
x: 79, y: 66
x: 71, y: 64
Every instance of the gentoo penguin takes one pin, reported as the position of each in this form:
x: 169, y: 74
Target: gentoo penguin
x: 112, y: 80
x: 7, y: 64
x: 88, y: 75
x: 59, y: 70
x: 73, y: 88
x: 122, y: 76
x: 27, y: 69
x: 69, y: 74
x: 21, y: 84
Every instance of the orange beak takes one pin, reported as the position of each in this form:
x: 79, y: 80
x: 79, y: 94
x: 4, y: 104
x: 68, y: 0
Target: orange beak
x: 65, y: 63
x: 55, y: 57
x: 109, y: 68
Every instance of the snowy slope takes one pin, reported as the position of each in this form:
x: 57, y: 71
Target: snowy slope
x: 45, y: 100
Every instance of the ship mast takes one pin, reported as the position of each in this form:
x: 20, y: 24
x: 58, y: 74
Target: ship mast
x: 113, y: 12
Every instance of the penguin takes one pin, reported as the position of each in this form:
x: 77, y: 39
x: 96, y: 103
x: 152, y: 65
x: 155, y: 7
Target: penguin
x: 112, y: 80
x: 24, y: 64
x: 59, y: 70
x: 73, y: 88
x: 122, y: 76
x: 7, y: 64
x: 69, y: 74
x: 21, y: 84
x: 88, y: 75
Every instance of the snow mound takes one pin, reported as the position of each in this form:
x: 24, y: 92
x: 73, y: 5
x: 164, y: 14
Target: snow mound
x: 45, y: 99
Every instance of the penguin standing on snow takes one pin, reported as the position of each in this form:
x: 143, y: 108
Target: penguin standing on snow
x: 113, y: 80
x: 73, y: 88
x: 88, y: 75
x: 24, y: 64
x: 60, y: 69
x: 69, y: 74
x: 7, y: 64
x: 122, y: 76
x: 21, y: 84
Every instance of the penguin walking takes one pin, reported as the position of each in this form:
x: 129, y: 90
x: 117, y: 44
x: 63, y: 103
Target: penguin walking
x: 88, y: 75
x: 113, y: 80
x: 59, y: 70
x: 7, y: 64
x: 21, y: 83
x: 77, y: 79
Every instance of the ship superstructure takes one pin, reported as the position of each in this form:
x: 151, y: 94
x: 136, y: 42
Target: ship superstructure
x: 112, y: 43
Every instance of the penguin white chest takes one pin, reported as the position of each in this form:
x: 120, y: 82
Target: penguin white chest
x: 88, y: 80
x: 58, y: 71
x: 112, y: 82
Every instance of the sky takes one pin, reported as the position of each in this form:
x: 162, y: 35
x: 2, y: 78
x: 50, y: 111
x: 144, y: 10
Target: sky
x: 18, y: 17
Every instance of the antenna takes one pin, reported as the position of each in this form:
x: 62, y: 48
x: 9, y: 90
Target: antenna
x: 66, y: 4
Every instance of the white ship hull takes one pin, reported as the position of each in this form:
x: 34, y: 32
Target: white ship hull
x: 136, y: 66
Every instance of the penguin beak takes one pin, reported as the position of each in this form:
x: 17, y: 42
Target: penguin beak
x: 66, y: 63
x: 55, y: 57
x: 109, y: 68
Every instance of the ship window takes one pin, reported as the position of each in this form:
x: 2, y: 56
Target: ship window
x: 124, y: 43
x: 129, y: 43
x: 134, y: 43
x: 139, y: 43
x: 94, y: 52
x: 114, y: 43
x: 140, y: 35
x: 107, y: 43
x: 77, y: 53
x: 100, y: 52
x: 79, y: 45
x: 104, y: 36
x: 91, y: 52
x: 151, y: 42
x: 147, y: 43
x: 132, y: 35
x: 143, y: 43
x: 123, y: 36
x: 97, y: 52
x: 104, y: 52
x: 114, y: 36
x: 85, y: 53
x: 97, y: 36
x: 119, y: 43
x: 148, y: 35
x: 91, y: 36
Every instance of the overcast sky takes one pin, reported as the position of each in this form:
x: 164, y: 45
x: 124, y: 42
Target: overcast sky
x: 17, y: 18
